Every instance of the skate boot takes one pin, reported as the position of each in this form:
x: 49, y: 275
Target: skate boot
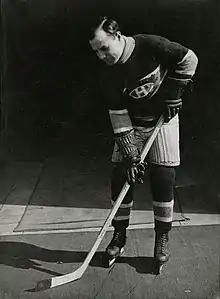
x: 161, y: 253
x: 116, y: 246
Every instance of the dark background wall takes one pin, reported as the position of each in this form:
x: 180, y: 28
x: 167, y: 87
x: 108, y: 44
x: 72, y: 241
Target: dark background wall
x: 50, y: 76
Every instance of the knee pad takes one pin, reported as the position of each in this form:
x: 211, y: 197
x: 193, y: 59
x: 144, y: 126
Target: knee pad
x: 162, y: 180
x: 117, y: 181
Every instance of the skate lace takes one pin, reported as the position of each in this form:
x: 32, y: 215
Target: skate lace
x: 117, y: 238
x: 162, y: 243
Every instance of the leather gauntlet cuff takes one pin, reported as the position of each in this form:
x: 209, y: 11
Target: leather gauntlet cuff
x: 127, y: 144
x: 173, y: 102
x: 175, y: 88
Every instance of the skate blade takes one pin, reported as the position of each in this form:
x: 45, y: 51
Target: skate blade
x: 112, y: 260
x: 160, y: 267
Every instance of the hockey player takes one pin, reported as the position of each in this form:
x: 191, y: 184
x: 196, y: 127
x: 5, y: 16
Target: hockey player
x: 147, y: 76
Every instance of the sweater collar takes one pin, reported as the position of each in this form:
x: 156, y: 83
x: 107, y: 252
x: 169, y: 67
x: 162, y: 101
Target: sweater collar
x: 128, y: 48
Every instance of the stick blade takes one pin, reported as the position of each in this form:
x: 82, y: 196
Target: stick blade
x: 43, y: 285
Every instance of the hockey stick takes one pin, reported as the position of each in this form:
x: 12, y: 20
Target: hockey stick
x: 60, y: 280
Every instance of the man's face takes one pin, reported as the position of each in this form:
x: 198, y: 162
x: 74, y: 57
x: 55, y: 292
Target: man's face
x: 107, y: 47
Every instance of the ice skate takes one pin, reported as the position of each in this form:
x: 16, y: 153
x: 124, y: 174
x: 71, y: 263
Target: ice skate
x: 116, y: 246
x: 161, y: 253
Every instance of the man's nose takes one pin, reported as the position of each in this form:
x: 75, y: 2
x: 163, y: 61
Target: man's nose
x: 101, y: 55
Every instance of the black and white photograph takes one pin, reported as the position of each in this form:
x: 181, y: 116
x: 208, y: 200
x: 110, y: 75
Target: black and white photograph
x: 110, y: 149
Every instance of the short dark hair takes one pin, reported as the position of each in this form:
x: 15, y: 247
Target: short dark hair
x: 108, y: 24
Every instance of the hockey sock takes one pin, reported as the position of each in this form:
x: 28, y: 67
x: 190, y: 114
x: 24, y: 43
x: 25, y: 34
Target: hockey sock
x: 162, y: 179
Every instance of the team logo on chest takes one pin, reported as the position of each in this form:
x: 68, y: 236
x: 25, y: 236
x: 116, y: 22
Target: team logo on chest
x: 142, y: 91
x: 148, y: 85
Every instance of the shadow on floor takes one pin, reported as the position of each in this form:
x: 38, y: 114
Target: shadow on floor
x: 142, y: 264
x: 27, y: 256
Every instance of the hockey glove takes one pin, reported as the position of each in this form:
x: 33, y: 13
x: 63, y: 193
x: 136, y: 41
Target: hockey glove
x: 135, y: 170
x: 174, y: 90
x: 142, y: 166
x: 133, y: 167
x: 172, y: 108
